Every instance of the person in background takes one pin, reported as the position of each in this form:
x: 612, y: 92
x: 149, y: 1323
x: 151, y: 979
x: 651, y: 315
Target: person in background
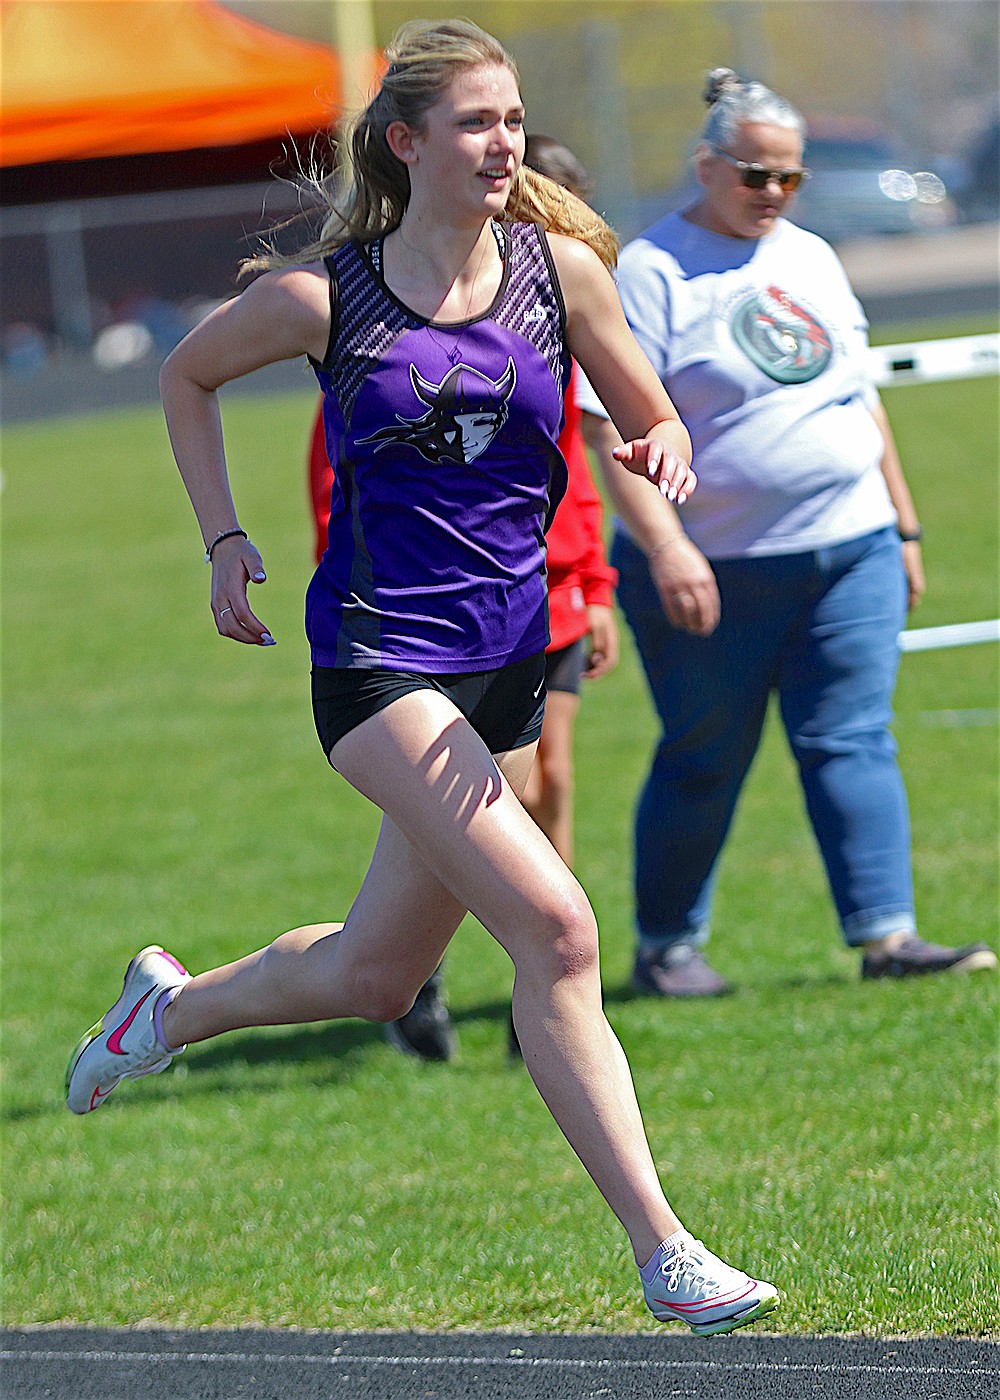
x: 439, y: 309
x: 790, y: 570
x: 584, y: 635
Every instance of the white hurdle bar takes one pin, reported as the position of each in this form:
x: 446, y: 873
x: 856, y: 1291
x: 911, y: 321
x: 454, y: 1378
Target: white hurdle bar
x: 954, y: 634
x: 961, y: 357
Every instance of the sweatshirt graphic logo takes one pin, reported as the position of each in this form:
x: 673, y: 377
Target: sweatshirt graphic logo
x: 780, y: 337
x: 465, y: 413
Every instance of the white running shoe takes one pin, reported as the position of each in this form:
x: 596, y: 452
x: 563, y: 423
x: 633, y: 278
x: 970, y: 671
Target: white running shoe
x: 123, y: 1044
x: 694, y: 1286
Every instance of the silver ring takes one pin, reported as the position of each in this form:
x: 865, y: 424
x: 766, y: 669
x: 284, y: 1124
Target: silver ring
x: 223, y: 613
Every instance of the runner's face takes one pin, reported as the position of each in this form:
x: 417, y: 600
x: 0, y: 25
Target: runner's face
x: 726, y: 205
x: 472, y: 143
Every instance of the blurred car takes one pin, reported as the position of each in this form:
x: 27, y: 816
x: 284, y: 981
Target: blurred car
x: 863, y: 185
x: 977, y: 189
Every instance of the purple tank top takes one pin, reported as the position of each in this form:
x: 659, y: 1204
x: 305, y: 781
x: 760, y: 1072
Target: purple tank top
x: 443, y: 440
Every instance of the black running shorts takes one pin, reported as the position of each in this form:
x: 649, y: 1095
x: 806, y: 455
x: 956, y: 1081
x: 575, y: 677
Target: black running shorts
x: 505, y: 707
x: 564, y: 668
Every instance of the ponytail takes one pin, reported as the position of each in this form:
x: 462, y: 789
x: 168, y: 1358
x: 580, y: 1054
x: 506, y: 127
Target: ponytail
x: 366, y: 195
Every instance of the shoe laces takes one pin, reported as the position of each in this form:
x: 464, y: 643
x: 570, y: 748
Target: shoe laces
x: 687, y: 1266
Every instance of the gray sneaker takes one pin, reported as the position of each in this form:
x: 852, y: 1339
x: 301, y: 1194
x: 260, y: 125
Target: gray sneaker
x: 912, y: 957
x: 679, y: 971
x: 425, y: 1031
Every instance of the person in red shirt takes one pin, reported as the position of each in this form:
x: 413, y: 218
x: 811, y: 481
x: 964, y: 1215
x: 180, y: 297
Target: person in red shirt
x: 584, y: 634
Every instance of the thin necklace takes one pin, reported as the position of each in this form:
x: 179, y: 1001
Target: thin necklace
x: 455, y: 353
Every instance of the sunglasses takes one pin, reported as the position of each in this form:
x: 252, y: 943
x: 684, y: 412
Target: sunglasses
x: 757, y: 177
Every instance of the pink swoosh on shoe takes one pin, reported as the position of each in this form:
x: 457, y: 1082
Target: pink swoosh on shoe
x: 719, y: 1302
x: 115, y: 1038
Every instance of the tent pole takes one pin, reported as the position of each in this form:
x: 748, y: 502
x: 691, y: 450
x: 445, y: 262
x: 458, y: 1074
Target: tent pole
x: 353, y: 28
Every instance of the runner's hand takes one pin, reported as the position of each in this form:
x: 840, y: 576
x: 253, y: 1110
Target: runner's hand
x: 235, y: 563
x: 668, y: 472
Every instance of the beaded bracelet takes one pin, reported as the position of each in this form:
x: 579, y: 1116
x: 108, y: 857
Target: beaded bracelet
x: 223, y: 535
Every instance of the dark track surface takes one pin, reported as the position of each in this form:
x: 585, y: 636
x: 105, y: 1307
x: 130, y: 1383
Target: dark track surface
x: 93, y: 1364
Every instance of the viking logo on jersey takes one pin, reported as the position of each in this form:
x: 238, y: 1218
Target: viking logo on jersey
x: 465, y: 413
x: 781, y: 338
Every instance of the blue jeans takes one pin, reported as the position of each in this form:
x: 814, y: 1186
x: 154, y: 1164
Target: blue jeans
x: 820, y: 629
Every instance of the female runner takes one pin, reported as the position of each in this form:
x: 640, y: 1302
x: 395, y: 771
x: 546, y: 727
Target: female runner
x: 440, y: 312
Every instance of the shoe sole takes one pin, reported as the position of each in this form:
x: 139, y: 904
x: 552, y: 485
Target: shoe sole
x: 88, y: 1038
x: 730, y: 1324
x: 982, y: 960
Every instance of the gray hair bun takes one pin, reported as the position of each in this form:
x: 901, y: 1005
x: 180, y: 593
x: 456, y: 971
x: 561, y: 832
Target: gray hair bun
x: 719, y: 82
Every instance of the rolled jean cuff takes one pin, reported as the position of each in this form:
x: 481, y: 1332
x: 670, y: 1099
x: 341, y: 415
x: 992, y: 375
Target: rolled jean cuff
x: 870, y: 924
x: 653, y: 945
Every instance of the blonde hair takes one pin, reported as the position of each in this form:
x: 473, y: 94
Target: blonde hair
x: 366, y: 196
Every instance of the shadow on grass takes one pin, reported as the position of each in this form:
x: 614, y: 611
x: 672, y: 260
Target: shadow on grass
x: 804, y: 981
x: 343, y: 1041
x: 801, y: 981
x: 336, y: 1049
x: 333, y: 1051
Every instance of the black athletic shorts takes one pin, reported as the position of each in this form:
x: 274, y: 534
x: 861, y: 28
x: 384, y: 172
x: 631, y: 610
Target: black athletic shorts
x: 564, y: 668
x: 505, y: 707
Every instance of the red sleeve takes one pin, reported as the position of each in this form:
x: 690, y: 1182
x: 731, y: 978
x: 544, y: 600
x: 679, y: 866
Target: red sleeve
x: 596, y: 576
x: 320, y: 485
x: 578, y: 571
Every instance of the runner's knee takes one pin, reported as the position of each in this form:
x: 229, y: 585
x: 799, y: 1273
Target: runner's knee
x: 565, y: 945
x: 383, y: 993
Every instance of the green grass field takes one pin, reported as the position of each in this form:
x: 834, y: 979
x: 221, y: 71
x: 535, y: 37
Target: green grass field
x: 838, y: 1136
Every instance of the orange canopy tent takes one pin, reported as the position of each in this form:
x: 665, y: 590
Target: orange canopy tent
x: 90, y: 79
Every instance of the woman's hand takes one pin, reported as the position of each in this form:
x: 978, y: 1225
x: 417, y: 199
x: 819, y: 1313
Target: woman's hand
x: 686, y: 585
x: 652, y: 458
x: 235, y: 563
x: 913, y: 563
